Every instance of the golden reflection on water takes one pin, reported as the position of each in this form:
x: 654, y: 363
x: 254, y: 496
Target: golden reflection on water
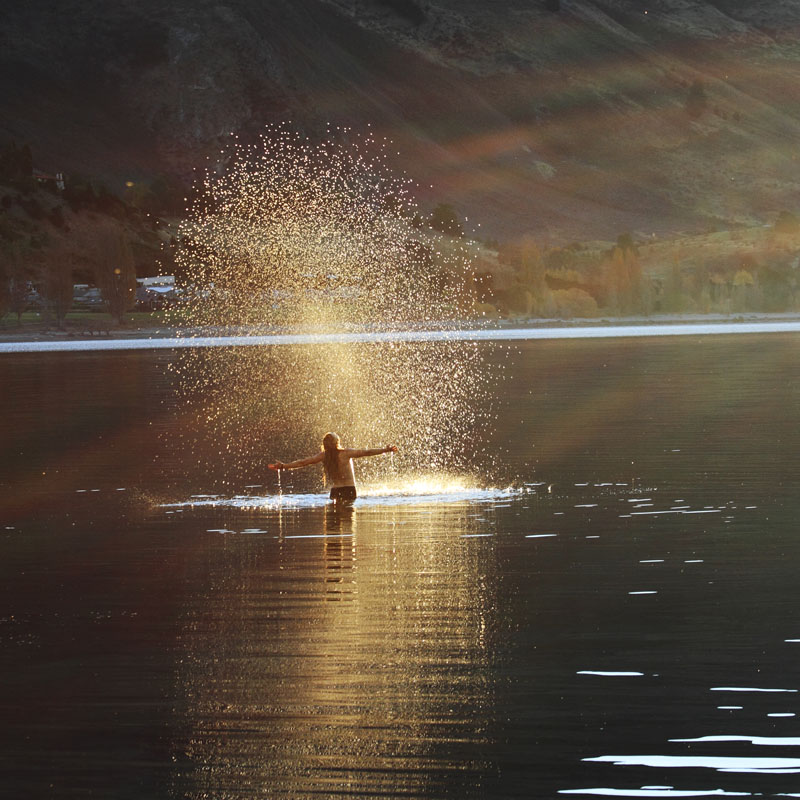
x: 356, y: 661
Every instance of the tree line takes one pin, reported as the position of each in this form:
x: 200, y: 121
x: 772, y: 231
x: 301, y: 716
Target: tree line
x: 52, y: 238
x: 527, y: 280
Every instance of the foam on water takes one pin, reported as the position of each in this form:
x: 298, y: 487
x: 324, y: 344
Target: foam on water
x: 403, y: 494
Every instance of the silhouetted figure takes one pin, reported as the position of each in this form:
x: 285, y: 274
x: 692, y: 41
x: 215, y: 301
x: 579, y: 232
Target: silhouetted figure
x: 338, y: 465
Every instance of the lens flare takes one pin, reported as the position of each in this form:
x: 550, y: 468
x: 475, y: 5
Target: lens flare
x: 322, y: 236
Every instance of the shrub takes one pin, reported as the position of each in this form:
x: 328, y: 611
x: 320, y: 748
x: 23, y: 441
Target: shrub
x: 115, y: 273
x: 787, y: 222
x: 574, y: 303
x: 32, y: 207
x: 56, y: 217
x: 445, y: 220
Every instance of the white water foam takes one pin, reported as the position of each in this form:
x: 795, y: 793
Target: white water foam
x: 368, y: 498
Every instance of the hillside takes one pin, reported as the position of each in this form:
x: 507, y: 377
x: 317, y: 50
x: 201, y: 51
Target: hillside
x: 568, y: 124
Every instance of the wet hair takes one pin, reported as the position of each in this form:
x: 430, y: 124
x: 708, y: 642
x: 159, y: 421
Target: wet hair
x: 330, y: 461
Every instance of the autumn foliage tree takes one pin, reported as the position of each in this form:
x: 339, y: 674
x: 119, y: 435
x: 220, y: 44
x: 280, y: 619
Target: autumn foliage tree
x: 530, y: 294
x: 628, y: 292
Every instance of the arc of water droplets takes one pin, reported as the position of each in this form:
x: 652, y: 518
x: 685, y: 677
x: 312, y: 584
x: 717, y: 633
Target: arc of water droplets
x: 318, y: 236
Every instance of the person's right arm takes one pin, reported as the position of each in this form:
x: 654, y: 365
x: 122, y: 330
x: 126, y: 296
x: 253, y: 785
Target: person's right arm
x: 301, y: 462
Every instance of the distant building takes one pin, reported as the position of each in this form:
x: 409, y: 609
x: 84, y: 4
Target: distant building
x: 157, y: 280
x: 46, y: 177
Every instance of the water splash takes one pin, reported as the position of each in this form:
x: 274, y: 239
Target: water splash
x: 322, y: 237
x: 419, y: 493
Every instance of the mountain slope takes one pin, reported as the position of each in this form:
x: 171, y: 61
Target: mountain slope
x: 568, y: 125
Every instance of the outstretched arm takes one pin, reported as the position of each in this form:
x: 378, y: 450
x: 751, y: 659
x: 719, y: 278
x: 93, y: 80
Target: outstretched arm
x: 301, y: 462
x: 374, y: 452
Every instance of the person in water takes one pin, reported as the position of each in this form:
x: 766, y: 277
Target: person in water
x: 337, y: 462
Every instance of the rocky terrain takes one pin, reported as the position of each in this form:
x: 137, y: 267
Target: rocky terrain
x: 571, y: 120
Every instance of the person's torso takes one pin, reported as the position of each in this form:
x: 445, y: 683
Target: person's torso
x: 346, y: 476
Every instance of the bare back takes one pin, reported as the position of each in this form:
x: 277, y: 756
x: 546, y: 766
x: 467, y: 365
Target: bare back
x: 346, y: 475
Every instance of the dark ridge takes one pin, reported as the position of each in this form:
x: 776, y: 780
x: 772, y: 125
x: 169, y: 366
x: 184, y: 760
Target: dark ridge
x: 407, y: 9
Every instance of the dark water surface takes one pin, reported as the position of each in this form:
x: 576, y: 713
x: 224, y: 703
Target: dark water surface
x: 625, y: 580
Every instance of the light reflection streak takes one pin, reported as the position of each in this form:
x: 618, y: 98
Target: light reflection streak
x: 655, y: 792
x: 772, y: 741
x: 355, y: 653
x: 753, y: 764
x: 505, y: 334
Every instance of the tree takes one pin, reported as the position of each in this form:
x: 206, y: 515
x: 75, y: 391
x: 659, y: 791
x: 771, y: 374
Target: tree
x: 14, y: 282
x: 79, y: 193
x: 445, y: 220
x: 673, y: 298
x: 531, y: 271
x: 18, y: 293
x: 787, y: 222
x: 115, y: 272
x: 164, y: 195
x: 5, y: 293
x: 16, y: 166
x: 627, y: 289
x: 625, y: 242
x: 54, y: 267
x: 745, y: 290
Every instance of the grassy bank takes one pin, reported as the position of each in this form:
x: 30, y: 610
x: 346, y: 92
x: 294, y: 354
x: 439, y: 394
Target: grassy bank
x: 33, y: 324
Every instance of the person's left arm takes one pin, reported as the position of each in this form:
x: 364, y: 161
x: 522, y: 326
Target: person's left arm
x: 376, y: 451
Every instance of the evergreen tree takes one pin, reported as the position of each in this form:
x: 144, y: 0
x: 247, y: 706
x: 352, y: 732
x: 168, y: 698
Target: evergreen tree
x: 55, y: 279
x: 533, y: 278
x: 14, y: 282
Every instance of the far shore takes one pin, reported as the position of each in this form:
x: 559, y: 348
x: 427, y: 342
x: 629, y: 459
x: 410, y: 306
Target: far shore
x: 34, y: 332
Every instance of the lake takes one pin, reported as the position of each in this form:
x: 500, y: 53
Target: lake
x: 611, y: 610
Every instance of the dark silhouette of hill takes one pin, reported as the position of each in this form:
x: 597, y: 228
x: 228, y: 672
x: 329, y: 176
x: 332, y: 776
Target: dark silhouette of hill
x: 571, y: 119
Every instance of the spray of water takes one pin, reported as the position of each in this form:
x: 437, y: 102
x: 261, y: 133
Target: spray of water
x: 307, y: 236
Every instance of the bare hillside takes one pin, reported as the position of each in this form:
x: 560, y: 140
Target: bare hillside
x: 580, y: 122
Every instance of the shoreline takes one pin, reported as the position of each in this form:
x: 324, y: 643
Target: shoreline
x: 629, y: 327
x: 161, y: 333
